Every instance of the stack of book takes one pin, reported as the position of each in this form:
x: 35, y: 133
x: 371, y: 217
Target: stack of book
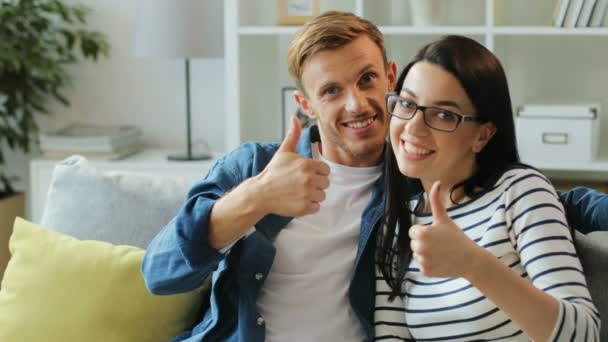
x: 91, y: 141
x: 580, y: 13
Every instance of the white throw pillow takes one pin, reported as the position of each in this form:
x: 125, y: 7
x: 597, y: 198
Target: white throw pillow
x: 118, y: 207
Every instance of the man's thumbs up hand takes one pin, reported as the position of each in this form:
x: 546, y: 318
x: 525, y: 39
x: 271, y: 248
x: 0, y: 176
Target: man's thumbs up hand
x: 292, y: 185
x: 441, y: 249
x: 290, y: 143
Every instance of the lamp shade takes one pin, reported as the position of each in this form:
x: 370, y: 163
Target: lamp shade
x: 179, y: 29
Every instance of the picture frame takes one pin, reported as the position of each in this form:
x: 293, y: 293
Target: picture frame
x: 289, y: 107
x: 296, y: 12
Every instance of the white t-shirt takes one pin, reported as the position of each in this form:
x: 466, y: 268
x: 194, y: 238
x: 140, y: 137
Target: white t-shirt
x: 305, y: 296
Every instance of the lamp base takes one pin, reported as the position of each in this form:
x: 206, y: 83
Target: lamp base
x: 189, y: 157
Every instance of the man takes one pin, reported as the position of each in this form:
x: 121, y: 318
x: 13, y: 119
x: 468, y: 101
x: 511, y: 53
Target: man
x: 586, y: 209
x: 285, y: 229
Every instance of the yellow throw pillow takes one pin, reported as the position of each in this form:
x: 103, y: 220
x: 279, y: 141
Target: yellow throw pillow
x: 60, y: 289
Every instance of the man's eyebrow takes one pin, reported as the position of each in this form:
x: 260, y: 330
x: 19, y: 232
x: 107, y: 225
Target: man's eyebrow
x: 330, y: 83
x: 367, y: 67
x: 327, y: 84
x: 444, y: 103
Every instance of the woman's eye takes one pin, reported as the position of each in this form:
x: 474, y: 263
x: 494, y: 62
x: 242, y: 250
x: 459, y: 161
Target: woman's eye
x: 447, y: 116
x: 407, y: 104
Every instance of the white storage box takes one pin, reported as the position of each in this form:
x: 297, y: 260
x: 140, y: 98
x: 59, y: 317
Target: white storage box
x: 553, y: 134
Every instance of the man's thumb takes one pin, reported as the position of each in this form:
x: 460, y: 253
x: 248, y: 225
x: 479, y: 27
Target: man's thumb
x: 293, y: 136
x: 440, y: 215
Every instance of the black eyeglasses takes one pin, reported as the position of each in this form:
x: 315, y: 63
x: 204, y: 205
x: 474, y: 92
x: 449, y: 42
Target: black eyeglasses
x: 434, y: 117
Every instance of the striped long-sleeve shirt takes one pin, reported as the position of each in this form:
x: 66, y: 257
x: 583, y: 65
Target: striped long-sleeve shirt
x: 522, y: 223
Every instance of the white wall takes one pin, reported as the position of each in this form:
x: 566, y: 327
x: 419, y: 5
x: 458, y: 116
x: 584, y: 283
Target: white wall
x: 123, y: 89
x: 147, y: 93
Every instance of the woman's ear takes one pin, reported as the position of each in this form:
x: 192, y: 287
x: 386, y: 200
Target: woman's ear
x: 486, y: 132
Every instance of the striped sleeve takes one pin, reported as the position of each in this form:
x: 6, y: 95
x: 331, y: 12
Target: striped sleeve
x: 389, y: 316
x: 539, y: 231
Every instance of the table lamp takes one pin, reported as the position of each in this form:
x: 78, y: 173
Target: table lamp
x: 182, y: 29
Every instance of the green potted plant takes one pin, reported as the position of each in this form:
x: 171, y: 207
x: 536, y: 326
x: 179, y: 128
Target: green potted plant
x: 38, y: 40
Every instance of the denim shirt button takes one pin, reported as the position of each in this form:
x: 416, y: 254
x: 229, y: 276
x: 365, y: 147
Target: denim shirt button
x: 260, y: 320
x: 259, y: 276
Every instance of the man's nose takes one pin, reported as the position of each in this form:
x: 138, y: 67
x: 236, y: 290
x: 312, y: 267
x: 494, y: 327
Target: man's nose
x: 356, y: 102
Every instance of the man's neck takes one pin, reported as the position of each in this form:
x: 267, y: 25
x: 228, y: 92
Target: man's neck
x: 346, y: 158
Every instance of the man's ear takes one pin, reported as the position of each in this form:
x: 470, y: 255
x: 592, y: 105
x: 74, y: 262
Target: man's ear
x: 486, y: 132
x: 391, y: 74
x: 304, y: 103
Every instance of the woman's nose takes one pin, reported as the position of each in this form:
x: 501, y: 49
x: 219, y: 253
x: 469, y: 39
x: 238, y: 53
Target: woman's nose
x: 416, y: 125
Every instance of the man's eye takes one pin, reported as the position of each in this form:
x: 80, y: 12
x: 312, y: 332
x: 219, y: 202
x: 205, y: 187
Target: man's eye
x: 367, y: 78
x: 331, y: 91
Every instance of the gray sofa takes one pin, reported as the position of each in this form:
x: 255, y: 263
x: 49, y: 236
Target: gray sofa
x: 593, y: 251
x: 140, y: 205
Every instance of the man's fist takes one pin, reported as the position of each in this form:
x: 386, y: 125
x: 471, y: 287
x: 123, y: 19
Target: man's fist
x: 293, y: 185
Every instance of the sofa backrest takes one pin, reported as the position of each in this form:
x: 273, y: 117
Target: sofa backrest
x: 593, y: 251
x: 117, y: 207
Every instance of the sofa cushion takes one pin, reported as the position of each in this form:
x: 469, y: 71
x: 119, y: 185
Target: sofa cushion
x: 58, y: 288
x: 593, y: 251
x: 117, y: 207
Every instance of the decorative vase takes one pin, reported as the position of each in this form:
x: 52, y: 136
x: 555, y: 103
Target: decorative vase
x: 10, y: 208
x: 428, y: 12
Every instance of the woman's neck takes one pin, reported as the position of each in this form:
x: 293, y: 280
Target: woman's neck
x: 449, y: 197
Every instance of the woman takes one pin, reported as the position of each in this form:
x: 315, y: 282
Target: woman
x: 476, y: 245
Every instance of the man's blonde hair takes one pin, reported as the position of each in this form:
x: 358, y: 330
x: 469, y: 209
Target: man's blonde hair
x: 328, y: 31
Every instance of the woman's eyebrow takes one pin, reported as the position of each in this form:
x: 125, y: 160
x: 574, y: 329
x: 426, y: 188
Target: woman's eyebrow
x: 447, y: 103
x: 444, y: 103
x: 409, y: 92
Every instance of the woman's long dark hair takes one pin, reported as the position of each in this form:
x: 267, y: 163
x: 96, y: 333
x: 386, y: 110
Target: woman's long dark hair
x: 483, y: 78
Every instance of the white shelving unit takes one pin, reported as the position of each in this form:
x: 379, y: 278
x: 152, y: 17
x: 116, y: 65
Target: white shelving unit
x: 542, y: 62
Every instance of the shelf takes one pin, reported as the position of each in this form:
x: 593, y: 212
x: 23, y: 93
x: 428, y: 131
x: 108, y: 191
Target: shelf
x: 548, y: 30
x: 541, y: 61
x: 433, y: 30
x: 596, y: 166
x: 438, y: 30
x: 289, y: 30
x: 268, y: 30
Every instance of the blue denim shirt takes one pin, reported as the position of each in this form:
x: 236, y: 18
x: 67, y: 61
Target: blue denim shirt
x: 587, y: 209
x: 180, y: 258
